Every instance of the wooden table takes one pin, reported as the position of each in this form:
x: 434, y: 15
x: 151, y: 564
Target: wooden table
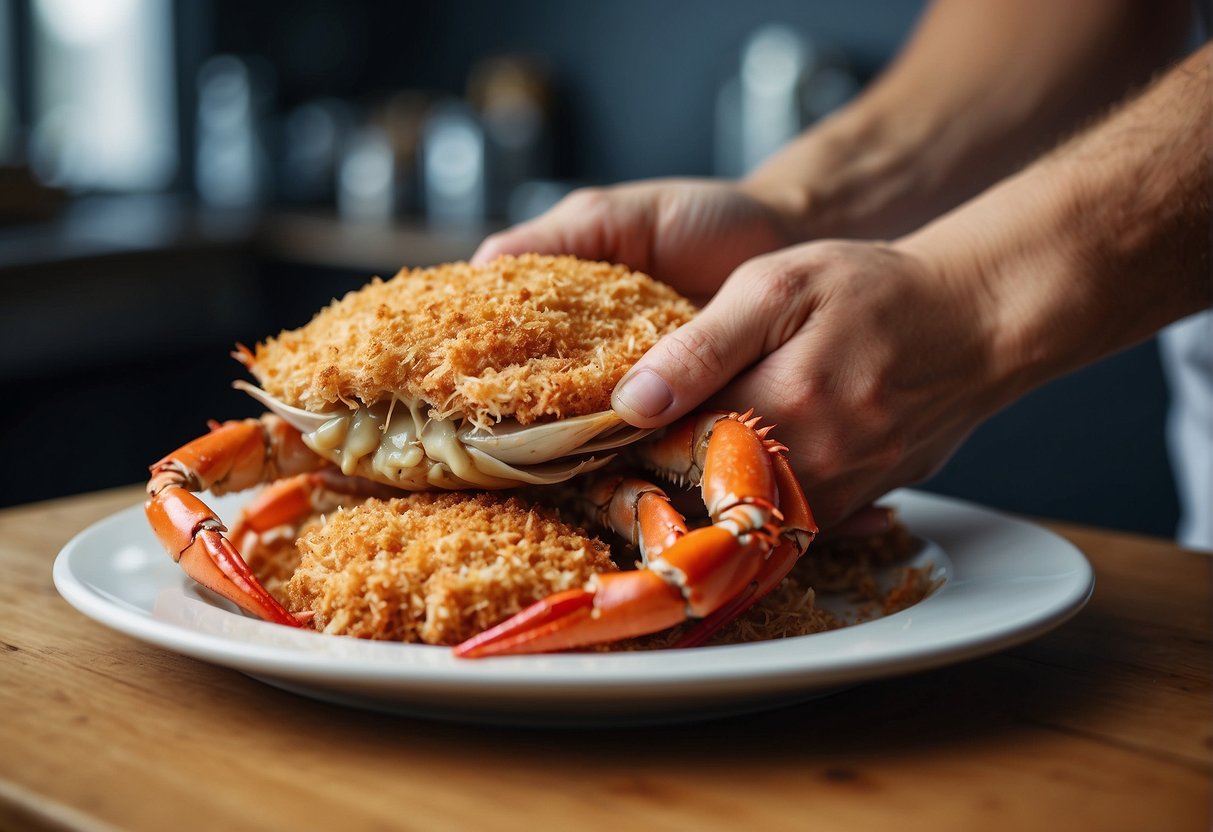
x: 1102, y: 724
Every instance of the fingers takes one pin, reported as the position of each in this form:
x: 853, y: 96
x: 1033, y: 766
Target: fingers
x: 591, y: 223
x: 761, y: 304
x: 541, y: 237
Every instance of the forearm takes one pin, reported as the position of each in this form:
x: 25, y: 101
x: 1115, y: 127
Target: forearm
x: 980, y: 88
x: 1096, y: 246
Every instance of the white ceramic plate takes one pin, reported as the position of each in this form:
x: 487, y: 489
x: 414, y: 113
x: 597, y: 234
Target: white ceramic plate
x: 1004, y: 581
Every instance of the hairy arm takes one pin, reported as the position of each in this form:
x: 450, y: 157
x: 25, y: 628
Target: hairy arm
x: 1099, y: 244
x: 877, y: 359
x: 979, y: 89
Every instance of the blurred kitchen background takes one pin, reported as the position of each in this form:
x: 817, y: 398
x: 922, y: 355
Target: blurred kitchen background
x: 180, y: 175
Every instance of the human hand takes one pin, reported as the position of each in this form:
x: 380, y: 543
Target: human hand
x: 874, y: 365
x: 686, y: 232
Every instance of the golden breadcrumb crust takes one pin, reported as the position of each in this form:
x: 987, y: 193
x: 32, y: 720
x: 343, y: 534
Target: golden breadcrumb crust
x: 441, y: 567
x: 532, y: 337
x: 436, y: 567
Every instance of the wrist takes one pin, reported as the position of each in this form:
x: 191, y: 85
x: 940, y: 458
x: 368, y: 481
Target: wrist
x: 1100, y: 244
x: 866, y: 172
x: 786, y: 201
x: 1012, y: 288
x: 1065, y: 263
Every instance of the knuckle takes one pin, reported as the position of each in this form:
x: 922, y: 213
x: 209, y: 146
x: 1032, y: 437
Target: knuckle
x: 891, y: 452
x: 798, y: 399
x: 825, y: 452
x: 780, y: 288
x: 836, y: 254
x: 788, y: 405
x: 697, y: 353
x: 586, y: 199
x: 771, y: 282
x: 775, y: 292
x: 871, y: 399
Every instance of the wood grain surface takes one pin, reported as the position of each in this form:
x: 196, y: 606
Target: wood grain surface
x: 1105, y: 723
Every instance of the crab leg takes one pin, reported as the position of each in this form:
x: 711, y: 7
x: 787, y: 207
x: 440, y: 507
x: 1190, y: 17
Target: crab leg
x: 233, y: 456
x: 701, y: 572
x: 640, y: 601
x: 292, y: 499
x: 638, y: 511
x: 281, y: 503
x: 800, y: 529
x: 288, y: 502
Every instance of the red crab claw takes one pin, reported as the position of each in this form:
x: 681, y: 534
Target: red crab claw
x: 696, y: 574
x: 232, y: 456
x: 192, y: 533
x: 761, y: 525
x: 800, y: 529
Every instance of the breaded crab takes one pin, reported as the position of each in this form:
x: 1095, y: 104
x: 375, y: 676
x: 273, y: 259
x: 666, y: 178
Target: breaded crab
x: 464, y: 377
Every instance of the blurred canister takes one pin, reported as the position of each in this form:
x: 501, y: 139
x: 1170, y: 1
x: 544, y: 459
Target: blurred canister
x: 513, y: 96
x: 314, y: 136
x: 786, y: 82
x: 234, y: 99
x: 377, y: 179
x: 453, y: 165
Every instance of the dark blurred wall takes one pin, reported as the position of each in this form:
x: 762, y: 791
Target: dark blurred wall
x: 636, y: 84
x: 636, y: 79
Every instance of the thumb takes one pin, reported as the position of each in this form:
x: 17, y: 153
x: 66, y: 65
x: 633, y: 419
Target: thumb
x: 687, y: 366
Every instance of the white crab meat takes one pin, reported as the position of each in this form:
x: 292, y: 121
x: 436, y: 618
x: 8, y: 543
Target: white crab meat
x: 401, y: 445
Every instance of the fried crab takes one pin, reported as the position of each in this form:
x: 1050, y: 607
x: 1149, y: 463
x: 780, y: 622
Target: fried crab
x: 463, y: 378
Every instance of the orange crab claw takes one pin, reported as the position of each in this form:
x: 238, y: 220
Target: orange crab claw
x: 700, y: 572
x: 800, y: 530
x: 761, y: 526
x: 774, y: 569
x: 233, y: 456
x: 194, y: 535
x: 619, y: 605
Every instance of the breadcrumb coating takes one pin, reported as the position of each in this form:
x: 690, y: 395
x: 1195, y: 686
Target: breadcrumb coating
x: 531, y: 337
x: 440, y: 567
x: 436, y: 567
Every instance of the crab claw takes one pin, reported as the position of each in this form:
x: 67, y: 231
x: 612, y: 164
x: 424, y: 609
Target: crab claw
x: 193, y: 533
x: 233, y: 456
x: 612, y: 607
x: 800, y: 530
x: 699, y: 573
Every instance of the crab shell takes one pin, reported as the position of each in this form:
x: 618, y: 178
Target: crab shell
x: 469, y: 376
x: 400, y: 444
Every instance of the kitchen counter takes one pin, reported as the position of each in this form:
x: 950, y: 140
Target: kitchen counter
x: 1104, y: 723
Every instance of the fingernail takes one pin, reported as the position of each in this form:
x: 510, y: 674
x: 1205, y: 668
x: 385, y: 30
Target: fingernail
x: 644, y: 393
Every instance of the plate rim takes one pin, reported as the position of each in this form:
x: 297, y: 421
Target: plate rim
x: 765, y: 664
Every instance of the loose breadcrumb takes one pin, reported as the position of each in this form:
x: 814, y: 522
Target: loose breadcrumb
x: 788, y: 610
x: 436, y: 567
x: 848, y: 565
x: 530, y: 337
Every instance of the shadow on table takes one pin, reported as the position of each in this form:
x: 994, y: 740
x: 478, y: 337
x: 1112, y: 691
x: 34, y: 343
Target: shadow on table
x: 968, y: 704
